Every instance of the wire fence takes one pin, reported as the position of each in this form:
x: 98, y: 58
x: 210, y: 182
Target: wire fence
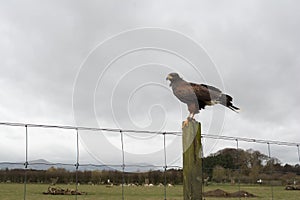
x: 123, y: 166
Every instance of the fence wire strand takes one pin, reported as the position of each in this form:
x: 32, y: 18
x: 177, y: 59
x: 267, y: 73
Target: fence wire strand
x: 298, y: 152
x: 26, y: 162
x: 271, y: 170
x: 123, y: 162
x: 165, y: 168
x: 202, y: 165
x: 77, y: 161
x: 238, y: 167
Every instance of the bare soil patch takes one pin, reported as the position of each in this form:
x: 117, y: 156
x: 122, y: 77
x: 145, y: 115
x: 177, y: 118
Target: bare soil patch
x: 222, y: 193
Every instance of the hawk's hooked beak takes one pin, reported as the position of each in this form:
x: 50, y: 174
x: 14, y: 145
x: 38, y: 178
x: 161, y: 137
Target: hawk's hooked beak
x: 169, y: 77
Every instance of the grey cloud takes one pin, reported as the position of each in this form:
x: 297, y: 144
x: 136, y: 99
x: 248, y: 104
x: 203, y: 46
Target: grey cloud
x: 255, y: 45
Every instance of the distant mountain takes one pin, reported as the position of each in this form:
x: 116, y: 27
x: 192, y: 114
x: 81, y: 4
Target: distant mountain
x: 42, y: 164
x: 40, y: 161
x: 8, y: 165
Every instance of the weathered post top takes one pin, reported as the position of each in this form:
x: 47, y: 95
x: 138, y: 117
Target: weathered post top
x: 192, y: 161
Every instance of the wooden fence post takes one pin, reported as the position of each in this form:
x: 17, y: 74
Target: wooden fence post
x: 192, y: 161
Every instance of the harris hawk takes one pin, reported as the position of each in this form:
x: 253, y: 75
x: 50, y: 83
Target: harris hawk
x: 197, y: 96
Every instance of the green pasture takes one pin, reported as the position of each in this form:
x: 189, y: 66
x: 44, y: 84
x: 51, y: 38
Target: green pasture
x: 10, y: 191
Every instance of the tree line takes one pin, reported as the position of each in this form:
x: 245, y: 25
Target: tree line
x: 63, y: 176
x: 249, y: 166
x: 226, y: 165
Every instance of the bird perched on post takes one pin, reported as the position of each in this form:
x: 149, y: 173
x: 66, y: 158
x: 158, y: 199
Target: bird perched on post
x: 197, y: 96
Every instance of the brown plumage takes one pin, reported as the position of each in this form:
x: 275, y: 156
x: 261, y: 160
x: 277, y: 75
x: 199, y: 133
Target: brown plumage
x: 197, y: 96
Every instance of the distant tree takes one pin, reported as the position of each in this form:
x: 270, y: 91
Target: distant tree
x: 254, y: 173
x: 96, y: 176
x: 219, y: 174
x: 220, y: 158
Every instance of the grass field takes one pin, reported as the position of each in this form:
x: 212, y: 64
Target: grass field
x: 100, y: 192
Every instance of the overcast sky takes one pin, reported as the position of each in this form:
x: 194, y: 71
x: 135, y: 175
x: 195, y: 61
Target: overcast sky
x: 104, y: 64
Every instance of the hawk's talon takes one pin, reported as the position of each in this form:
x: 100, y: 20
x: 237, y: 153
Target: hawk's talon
x: 185, y: 123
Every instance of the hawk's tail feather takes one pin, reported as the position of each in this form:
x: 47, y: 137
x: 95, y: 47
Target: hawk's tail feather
x: 226, y: 100
x: 233, y: 108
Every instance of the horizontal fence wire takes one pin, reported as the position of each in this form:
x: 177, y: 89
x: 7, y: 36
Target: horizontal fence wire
x: 90, y: 165
x: 178, y: 133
